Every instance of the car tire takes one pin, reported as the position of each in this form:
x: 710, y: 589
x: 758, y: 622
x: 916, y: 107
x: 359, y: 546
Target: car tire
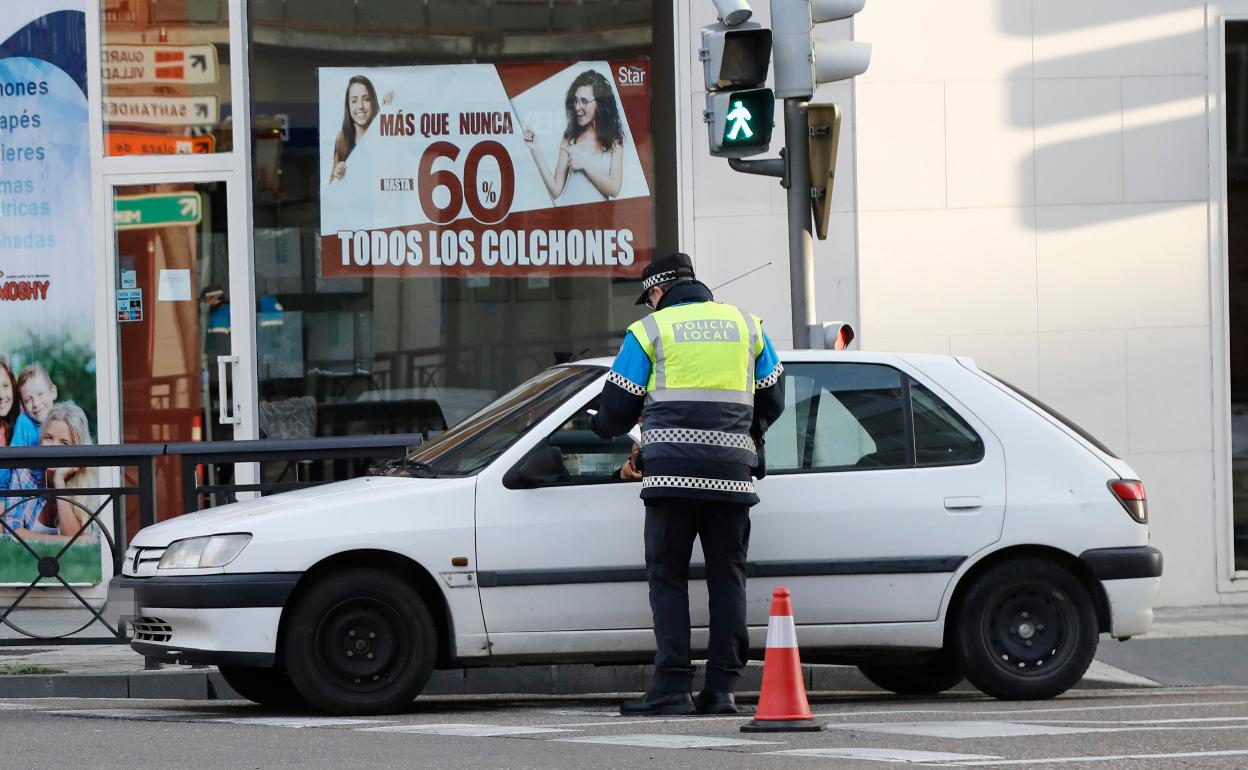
x: 359, y: 641
x: 1025, y: 630
x: 266, y: 686
x: 927, y: 678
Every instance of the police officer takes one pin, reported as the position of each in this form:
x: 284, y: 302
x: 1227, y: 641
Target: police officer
x: 706, y: 381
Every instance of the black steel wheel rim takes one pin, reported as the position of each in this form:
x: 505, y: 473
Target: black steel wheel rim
x: 362, y: 643
x: 1029, y: 628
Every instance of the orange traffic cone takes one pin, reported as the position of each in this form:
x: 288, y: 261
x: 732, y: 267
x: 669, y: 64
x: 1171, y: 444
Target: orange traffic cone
x: 782, y: 706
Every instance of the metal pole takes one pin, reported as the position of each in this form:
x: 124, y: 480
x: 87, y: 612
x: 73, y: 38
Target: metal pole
x: 801, y: 239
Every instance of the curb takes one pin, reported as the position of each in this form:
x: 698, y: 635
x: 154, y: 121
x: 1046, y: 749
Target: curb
x: 571, y: 679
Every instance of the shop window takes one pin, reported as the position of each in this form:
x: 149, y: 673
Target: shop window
x: 386, y: 325
x: 165, y: 68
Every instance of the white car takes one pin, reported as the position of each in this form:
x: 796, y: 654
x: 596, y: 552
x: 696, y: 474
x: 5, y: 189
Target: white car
x: 932, y: 523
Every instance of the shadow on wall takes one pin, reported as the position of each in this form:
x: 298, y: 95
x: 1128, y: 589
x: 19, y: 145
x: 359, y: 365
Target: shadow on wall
x: 1122, y: 137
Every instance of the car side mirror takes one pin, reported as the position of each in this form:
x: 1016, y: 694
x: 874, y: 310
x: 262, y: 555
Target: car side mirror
x: 544, y: 465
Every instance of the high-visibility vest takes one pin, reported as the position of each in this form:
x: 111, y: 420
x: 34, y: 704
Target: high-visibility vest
x: 699, y: 401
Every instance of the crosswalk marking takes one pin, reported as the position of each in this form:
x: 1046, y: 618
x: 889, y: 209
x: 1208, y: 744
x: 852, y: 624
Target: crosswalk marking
x: 123, y: 713
x: 1108, y: 758
x: 963, y: 729
x: 885, y: 755
x: 1185, y: 720
x: 929, y: 727
x: 664, y: 741
x: 822, y: 713
x: 299, y: 722
x: 466, y: 730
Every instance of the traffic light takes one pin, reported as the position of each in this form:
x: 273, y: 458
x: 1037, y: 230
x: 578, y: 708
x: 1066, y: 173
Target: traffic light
x: 740, y: 110
x: 831, y: 335
x: 804, y: 61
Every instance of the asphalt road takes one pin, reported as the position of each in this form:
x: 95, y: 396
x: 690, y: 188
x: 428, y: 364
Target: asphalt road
x: 1145, y: 729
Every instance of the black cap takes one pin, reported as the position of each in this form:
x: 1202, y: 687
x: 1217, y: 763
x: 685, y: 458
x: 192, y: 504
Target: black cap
x: 664, y: 269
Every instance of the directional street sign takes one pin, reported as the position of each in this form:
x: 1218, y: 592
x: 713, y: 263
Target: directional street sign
x: 127, y: 143
x: 159, y: 64
x: 136, y: 212
x: 162, y: 110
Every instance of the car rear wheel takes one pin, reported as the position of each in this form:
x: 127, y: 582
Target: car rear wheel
x: 1025, y: 630
x: 360, y: 641
x: 266, y: 686
x: 927, y: 678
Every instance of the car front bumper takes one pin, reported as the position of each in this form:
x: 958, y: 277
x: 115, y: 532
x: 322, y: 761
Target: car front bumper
x: 1131, y: 578
x: 229, y: 619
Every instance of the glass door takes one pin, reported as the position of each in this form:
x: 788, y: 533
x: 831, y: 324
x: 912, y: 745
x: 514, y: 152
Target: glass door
x: 184, y: 346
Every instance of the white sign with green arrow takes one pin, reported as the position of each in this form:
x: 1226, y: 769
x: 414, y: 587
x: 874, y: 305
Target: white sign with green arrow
x: 137, y: 212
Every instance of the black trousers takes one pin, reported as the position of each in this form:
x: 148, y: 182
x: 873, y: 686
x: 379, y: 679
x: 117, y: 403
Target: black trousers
x: 724, y: 529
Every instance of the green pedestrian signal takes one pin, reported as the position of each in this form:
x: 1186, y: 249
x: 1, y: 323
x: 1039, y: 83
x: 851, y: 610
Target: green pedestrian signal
x: 741, y: 121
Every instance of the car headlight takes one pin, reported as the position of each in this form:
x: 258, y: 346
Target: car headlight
x: 203, y: 552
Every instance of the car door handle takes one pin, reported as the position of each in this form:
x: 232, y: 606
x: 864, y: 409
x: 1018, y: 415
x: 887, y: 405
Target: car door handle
x: 963, y: 503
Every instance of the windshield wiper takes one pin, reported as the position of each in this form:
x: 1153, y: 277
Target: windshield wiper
x: 416, y: 465
x: 388, y: 467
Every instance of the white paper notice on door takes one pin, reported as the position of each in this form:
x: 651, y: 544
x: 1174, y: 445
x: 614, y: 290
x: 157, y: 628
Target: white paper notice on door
x: 174, y: 286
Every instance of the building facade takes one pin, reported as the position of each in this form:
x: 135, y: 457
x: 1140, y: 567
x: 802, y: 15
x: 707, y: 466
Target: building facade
x: 1046, y: 186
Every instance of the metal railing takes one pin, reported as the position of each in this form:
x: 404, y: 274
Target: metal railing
x: 44, y: 560
x: 49, y: 556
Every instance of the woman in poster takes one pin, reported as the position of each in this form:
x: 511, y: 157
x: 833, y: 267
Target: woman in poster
x: 591, y: 154
x: 66, y: 425
x: 359, y: 109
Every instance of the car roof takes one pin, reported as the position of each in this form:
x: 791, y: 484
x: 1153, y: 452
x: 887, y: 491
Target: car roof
x: 858, y: 356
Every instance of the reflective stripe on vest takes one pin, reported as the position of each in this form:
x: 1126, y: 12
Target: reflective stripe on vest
x: 694, y: 482
x: 701, y: 394
x: 657, y: 359
x: 717, y: 438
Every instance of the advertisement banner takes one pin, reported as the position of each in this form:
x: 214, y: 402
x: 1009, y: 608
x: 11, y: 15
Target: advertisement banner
x: 532, y: 170
x: 47, y: 286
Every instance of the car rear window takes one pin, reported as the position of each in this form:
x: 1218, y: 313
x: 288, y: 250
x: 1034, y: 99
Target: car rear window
x: 1056, y: 415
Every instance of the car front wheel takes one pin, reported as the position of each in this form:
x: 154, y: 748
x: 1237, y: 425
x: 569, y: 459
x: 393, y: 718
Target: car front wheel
x: 1025, y: 630
x: 360, y: 641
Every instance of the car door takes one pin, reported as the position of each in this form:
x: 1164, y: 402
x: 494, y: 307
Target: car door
x: 561, y: 566
x: 878, y: 488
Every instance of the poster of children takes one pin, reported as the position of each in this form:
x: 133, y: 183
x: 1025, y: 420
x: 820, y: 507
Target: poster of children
x: 47, y: 329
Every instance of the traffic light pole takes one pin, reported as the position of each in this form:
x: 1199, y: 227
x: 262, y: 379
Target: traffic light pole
x: 801, y: 238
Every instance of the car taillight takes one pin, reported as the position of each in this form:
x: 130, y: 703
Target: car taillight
x: 1131, y: 495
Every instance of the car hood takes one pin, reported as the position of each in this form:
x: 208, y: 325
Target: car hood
x: 304, y: 507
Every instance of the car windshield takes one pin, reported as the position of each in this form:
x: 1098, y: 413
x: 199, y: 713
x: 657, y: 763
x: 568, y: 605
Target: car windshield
x: 475, y: 442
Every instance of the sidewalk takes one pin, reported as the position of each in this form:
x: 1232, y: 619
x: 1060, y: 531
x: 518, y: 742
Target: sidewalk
x: 1203, y: 646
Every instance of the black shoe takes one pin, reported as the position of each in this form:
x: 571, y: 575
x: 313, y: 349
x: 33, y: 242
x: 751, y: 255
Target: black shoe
x: 659, y: 704
x: 709, y: 702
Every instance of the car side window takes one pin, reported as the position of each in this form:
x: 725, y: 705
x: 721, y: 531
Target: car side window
x: 840, y: 416
x: 941, y: 437
x: 588, y: 458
